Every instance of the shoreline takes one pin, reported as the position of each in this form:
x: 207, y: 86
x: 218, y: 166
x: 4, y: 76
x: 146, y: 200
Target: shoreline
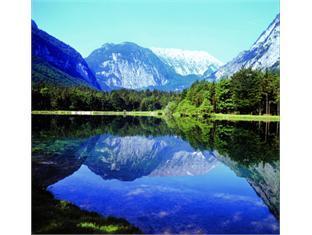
x: 158, y: 114
x: 65, y: 217
x: 244, y: 117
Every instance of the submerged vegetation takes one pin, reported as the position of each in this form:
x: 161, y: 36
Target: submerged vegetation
x: 55, y: 216
x: 54, y: 139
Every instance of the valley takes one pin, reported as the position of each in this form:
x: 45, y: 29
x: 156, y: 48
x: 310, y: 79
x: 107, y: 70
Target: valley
x: 137, y: 139
x: 127, y: 78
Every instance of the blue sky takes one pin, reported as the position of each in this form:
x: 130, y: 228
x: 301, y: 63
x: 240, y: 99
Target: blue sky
x: 223, y: 28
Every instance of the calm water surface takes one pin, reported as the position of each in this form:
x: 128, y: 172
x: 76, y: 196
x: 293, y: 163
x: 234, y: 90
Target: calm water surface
x: 164, y: 177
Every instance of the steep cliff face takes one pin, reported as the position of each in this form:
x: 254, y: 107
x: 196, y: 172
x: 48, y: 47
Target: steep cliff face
x: 128, y: 65
x: 263, y: 54
x: 51, y: 55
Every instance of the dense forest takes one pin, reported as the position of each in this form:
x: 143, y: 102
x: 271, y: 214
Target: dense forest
x: 246, y: 92
x: 52, y: 97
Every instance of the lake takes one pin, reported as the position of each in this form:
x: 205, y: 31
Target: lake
x: 173, y: 176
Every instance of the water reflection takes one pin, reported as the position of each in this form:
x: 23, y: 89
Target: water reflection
x: 131, y: 157
x: 175, y: 176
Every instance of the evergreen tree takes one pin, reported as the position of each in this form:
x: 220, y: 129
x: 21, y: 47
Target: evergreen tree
x: 205, y: 108
x: 246, y: 88
x: 224, y: 96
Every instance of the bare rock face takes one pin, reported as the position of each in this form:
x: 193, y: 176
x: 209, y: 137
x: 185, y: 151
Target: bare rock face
x: 263, y: 54
x: 128, y: 65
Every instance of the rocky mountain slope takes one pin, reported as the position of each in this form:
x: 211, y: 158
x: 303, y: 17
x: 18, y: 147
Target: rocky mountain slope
x: 263, y: 54
x: 128, y: 65
x: 56, y: 62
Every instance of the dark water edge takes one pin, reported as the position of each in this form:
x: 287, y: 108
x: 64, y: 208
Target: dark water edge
x: 52, y: 216
x: 249, y: 150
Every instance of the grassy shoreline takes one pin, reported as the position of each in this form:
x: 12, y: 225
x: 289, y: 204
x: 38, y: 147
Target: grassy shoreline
x: 159, y: 113
x: 244, y: 117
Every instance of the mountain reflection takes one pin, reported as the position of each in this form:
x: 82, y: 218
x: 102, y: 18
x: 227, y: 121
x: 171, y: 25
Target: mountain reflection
x: 128, y: 149
x: 131, y: 157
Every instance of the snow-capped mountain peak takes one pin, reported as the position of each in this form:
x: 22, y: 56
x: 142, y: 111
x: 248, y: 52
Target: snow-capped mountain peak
x: 128, y: 65
x: 186, y: 62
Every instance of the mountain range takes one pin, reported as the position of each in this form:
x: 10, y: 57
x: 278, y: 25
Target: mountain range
x: 128, y: 65
x: 131, y: 157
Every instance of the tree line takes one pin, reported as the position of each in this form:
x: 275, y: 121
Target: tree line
x: 246, y: 92
x: 52, y: 97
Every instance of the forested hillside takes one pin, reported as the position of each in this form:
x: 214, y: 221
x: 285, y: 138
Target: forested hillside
x: 247, y: 92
